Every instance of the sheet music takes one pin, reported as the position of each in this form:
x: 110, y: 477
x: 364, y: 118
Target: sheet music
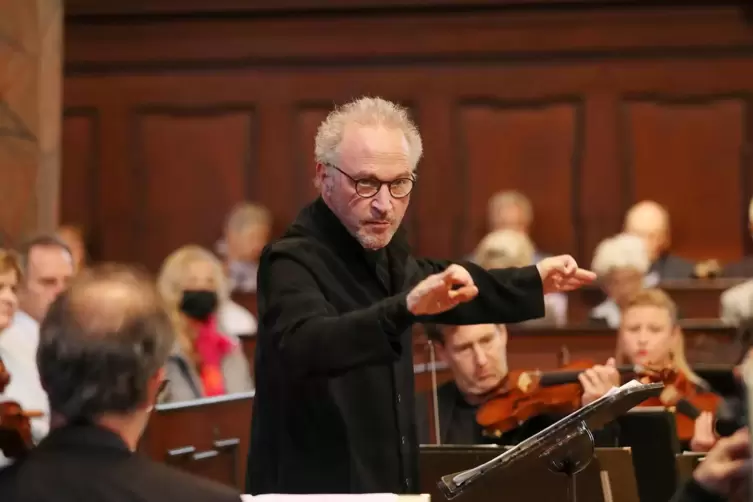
x: 464, y: 476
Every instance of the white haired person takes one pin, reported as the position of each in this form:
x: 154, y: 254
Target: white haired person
x: 246, y: 232
x: 512, y: 248
x: 512, y: 210
x: 620, y: 263
x: 208, y: 359
x: 338, y: 295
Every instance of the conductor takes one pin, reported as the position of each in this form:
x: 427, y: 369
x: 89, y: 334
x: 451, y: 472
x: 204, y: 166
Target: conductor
x: 337, y: 297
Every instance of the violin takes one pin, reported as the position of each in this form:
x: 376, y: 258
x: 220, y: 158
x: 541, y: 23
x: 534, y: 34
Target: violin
x: 685, y: 399
x: 15, y: 423
x: 527, y: 394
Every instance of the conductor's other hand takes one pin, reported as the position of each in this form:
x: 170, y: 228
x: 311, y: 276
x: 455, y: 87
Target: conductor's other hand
x: 441, y: 292
x: 726, y: 468
x: 561, y: 273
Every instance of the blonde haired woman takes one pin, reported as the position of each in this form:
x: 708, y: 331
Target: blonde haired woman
x: 649, y: 335
x: 208, y: 359
x: 20, y: 362
x: 620, y: 263
x: 511, y: 248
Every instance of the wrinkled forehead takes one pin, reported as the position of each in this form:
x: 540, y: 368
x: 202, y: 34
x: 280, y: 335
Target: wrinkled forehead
x: 473, y: 333
x: 49, y: 259
x: 376, y: 151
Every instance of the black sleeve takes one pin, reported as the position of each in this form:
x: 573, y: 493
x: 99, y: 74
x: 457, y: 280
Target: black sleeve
x: 508, y: 295
x: 313, y: 338
x: 691, y: 491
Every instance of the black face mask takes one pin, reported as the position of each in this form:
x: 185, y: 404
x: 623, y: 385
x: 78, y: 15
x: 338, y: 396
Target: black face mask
x: 198, y: 304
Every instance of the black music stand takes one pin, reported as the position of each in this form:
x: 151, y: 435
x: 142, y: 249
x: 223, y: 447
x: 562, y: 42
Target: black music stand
x: 567, y: 446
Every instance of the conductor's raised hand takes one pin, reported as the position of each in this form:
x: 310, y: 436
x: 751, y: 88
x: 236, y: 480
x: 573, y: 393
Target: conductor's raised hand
x: 441, y: 292
x: 561, y: 273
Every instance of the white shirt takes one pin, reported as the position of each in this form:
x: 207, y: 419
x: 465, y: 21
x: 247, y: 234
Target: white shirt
x: 18, y: 348
x: 236, y: 320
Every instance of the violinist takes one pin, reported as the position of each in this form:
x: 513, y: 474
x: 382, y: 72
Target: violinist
x: 649, y: 335
x: 477, y: 358
x: 24, y: 387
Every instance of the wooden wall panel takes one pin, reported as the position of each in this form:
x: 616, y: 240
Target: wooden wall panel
x: 584, y: 109
x: 80, y: 170
x: 192, y: 166
x: 308, y: 119
x: 516, y: 147
x: 690, y: 156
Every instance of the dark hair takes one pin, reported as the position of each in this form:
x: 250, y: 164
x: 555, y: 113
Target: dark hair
x: 41, y: 240
x: 435, y: 332
x: 102, y: 341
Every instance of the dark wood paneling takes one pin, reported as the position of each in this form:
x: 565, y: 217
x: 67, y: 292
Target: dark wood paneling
x: 80, y: 174
x: 142, y: 7
x: 308, y: 119
x: 514, y: 146
x: 185, y: 194
x: 674, y: 150
x: 207, y: 437
x: 584, y: 109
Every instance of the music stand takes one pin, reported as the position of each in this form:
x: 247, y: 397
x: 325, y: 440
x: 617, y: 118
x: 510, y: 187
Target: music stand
x: 567, y: 446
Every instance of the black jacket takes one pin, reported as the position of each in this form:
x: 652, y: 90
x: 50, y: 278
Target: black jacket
x: 88, y: 464
x: 691, y: 491
x: 334, y: 404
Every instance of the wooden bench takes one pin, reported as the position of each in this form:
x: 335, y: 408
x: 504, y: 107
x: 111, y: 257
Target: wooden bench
x: 208, y: 437
x: 695, y: 298
x: 706, y: 341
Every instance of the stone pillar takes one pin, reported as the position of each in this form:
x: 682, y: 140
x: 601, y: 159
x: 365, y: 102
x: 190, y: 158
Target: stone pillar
x: 30, y: 116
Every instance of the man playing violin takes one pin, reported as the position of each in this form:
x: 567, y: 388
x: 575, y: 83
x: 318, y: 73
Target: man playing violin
x: 477, y: 357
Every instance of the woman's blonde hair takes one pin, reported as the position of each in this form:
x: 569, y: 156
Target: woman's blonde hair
x: 657, y: 298
x: 170, y: 285
x: 9, y: 262
x: 503, y: 249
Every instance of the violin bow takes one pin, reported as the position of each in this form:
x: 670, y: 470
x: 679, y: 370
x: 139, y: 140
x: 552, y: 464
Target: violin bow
x: 435, y: 407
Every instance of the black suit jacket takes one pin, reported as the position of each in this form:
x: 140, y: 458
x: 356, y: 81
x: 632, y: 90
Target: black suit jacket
x: 670, y: 267
x: 334, y: 404
x: 743, y: 268
x: 84, y: 463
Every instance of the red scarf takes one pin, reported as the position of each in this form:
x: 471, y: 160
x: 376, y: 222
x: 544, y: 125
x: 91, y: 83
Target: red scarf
x: 212, y: 346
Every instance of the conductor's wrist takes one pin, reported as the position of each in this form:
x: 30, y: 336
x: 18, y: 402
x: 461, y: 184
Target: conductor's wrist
x: 395, y: 316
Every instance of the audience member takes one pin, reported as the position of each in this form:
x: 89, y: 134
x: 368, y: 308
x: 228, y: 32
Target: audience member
x: 208, y: 359
x: 511, y: 210
x: 650, y: 221
x: 736, y: 304
x: 620, y: 263
x: 47, y: 266
x: 247, y: 231
x: 102, y: 351
x: 512, y: 248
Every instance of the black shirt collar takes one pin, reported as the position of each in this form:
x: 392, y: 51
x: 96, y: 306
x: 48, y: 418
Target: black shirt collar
x: 84, y: 436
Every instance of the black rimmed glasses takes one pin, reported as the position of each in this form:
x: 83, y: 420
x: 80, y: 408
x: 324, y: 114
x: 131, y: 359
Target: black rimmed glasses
x: 369, y: 187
